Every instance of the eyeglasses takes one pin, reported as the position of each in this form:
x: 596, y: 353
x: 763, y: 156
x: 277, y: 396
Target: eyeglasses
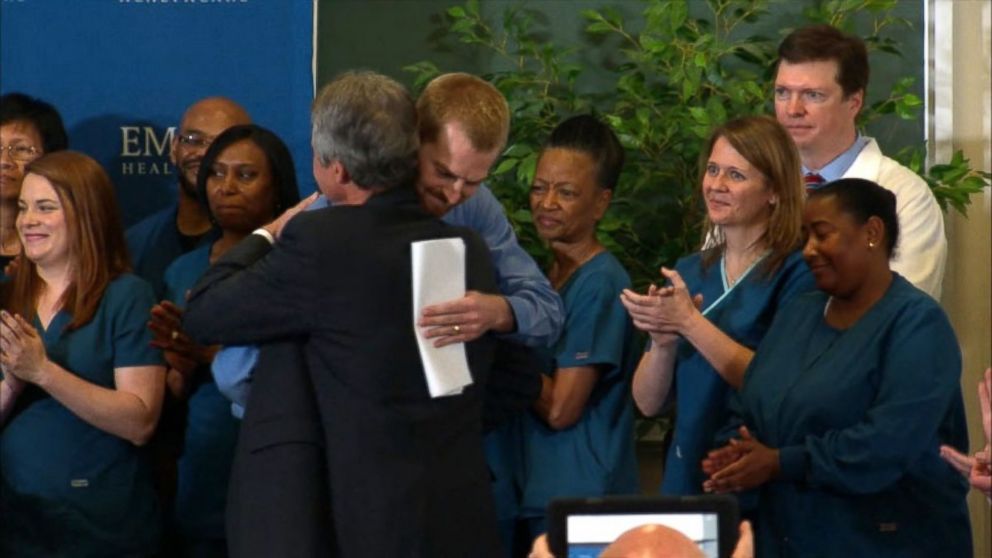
x: 194, y: 139
x: 19, y: 151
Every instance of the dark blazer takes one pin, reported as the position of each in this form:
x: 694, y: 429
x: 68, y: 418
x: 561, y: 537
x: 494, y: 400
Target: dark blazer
x: 277, y: 501
x: 405, y: 472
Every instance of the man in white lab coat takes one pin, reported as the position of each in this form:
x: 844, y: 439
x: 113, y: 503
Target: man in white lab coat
x: 820, y: 87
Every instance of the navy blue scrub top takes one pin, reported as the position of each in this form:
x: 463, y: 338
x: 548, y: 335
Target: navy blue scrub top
x: 69, y: 488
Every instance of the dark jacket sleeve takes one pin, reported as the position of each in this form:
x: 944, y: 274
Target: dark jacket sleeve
x: 253, y: 293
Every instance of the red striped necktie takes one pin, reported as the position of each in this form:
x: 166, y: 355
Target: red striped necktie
x: 813, y: 181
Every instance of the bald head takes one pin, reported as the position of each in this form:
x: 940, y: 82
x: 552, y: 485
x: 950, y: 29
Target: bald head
x: 203, y: 121
x: 652, y: 541
x: 221, y: 109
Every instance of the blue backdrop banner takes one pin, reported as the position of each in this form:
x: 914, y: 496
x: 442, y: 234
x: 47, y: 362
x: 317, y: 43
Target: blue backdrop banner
x: 121, y: 72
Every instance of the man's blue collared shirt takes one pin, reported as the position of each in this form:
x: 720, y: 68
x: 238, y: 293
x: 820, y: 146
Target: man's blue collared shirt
x: 537, y: 308
x: 836, y: 168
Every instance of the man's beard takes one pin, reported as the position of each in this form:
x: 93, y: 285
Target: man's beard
x: 188, y: 188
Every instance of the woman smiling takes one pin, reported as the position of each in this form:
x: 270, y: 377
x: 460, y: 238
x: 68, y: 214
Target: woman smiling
x: 706, y: 325
x: 848, y: 400
x: 82, y: 387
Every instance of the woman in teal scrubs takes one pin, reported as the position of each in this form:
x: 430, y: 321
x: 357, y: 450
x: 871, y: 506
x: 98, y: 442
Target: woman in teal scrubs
x: 578, y: 440
x: 705, y: 326
x: 246, y: 179
x: 82, y: 387
x: 848, y: 400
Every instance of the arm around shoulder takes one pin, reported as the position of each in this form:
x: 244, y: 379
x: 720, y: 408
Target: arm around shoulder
x: 255, y: 292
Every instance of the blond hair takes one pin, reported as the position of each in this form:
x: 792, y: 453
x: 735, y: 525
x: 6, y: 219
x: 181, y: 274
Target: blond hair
x: 764, y: 143
x: 472, y: 102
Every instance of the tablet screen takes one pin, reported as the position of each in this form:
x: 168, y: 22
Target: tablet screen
x: 589, y: 535
x: 584, y: 528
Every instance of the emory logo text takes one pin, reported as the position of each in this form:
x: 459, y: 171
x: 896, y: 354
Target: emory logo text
x: 145, y: 142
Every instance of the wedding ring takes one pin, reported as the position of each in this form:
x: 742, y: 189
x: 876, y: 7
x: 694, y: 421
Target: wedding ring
x: 457, y: 328
x: 175, y: 335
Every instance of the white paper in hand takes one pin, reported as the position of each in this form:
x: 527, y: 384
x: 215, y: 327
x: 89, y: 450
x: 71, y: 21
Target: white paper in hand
x: 439, y: 276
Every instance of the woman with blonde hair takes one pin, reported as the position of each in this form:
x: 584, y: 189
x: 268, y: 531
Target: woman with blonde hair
x: 82, y: 387
x: 705, y: 325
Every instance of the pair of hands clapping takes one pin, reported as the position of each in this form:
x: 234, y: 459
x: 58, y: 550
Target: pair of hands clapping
x: 742, y: 464
x: 182, y: 354
x: 663, y: 312
x: 22, y: 352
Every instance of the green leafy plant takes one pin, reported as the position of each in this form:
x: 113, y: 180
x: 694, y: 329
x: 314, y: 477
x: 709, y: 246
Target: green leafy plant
x: 673, y: 73
x: 952, y: 183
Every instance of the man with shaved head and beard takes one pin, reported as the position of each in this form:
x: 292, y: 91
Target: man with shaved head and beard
x: 163, y: 236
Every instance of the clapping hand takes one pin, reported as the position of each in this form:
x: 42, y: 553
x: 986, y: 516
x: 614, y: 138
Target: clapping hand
x: 11, y: 266
x: 22, y: 353
x: 981, y: 473
x: 663, y: 311
x: 751, y: 464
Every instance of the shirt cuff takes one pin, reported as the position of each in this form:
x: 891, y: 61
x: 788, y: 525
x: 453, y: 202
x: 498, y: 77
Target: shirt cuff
x: 265, y: 234
x: 792, y: 462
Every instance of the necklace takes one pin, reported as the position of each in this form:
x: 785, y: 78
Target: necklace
x: 729, y: 281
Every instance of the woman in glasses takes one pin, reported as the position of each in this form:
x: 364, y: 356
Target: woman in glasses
x: 29, y: 128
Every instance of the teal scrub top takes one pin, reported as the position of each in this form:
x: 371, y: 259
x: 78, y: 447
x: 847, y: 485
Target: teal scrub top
x: 744, y: 314
x: 69, y: 488
x: 858, y: 416
x: 211, y: 434
x: 595, y: 456
x: 155, y: 242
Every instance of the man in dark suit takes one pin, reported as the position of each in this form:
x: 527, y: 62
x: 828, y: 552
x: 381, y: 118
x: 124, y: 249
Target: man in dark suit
x: 404, y: 471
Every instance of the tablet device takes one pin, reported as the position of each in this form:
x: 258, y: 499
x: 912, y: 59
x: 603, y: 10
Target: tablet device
x: 583, y: 528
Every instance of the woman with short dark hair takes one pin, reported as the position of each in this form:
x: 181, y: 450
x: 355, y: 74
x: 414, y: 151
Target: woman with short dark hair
x: 578, y: 439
